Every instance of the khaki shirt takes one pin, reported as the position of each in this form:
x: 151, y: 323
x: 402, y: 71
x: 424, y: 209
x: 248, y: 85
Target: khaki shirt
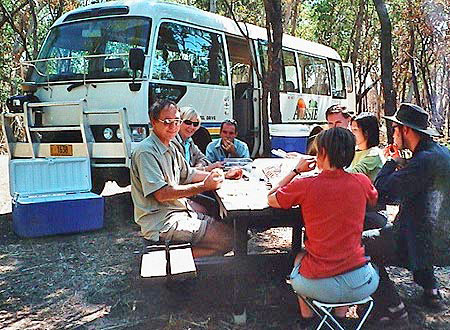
x: 153, y: 166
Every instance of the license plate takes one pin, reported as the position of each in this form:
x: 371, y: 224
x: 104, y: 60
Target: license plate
x: 61, y: 150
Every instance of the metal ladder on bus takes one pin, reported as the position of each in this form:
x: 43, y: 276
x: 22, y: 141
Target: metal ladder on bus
x: 32, y: 147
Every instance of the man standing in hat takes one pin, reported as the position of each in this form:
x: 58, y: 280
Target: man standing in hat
x: 420, y: 235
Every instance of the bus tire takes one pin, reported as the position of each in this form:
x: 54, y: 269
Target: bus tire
x: 98, y: 181
x: 122, y: 177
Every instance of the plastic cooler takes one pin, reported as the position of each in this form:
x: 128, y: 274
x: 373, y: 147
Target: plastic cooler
x: 52, y: 196
x: 289, y: 137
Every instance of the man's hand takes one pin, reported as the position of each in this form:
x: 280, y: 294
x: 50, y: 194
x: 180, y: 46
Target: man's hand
x: 228, y: 146
x: 391, y: 151
x: 234, y: 173
x: 214, y: 180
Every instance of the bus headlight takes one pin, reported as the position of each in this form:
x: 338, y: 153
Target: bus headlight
x: 119, y: 134
x: 108, y: 133
x: 138, y: 133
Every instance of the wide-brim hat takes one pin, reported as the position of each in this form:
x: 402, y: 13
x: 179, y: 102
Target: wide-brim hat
x: 413, y: 116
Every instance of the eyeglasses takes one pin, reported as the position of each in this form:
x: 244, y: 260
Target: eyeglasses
x: 190, y: 122
x: 172, y: 121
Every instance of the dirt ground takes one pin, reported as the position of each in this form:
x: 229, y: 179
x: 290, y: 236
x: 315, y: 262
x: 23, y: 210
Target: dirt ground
x: 90, y: 281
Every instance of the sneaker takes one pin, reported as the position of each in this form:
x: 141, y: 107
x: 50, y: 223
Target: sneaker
x: 433, y: 301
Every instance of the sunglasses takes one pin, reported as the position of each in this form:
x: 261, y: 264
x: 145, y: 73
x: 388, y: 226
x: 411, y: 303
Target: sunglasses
x: 190, y: 122
x: 173, y: 121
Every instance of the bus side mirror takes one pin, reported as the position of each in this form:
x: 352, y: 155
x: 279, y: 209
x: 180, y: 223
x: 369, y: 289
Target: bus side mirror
x: 135, y: 62
x: 136, y: 59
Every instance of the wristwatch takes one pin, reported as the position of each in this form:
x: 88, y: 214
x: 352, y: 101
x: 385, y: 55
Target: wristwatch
x: 296, y: 171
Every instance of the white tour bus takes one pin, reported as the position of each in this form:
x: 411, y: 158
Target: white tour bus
x: 103, y: 65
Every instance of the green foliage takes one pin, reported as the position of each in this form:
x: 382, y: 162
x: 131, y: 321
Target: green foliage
x: 349, y: 26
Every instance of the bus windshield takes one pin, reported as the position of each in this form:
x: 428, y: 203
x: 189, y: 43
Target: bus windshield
x: 94, y: 49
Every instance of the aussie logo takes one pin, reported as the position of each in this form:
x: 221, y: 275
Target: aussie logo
x: 306, y: 112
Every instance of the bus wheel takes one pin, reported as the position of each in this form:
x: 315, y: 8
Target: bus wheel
x: 98, y: 182
x: 123, y: 179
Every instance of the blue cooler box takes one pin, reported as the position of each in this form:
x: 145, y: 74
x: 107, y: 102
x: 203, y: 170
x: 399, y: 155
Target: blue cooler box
x: 289, y: 137
x: 52, y: 196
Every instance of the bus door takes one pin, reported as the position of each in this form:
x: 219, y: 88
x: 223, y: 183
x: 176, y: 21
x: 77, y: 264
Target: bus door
x: 289, y: 86
x: 242, y: 84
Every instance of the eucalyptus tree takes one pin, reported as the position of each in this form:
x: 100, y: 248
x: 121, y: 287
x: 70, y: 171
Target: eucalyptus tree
x: 23, y: 26
x: 386, y: 61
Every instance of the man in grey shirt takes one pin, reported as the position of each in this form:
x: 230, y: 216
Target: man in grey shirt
x: 161, y: 181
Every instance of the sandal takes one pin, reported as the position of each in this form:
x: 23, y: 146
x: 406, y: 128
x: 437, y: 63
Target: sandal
x: 433, y: 301
x: 386, y: 316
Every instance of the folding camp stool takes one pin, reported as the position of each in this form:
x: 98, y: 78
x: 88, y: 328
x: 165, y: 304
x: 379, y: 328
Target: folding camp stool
x: 323, y: 310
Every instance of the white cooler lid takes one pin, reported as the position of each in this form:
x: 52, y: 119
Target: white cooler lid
x: 289, y: 130
x: 49, y: 175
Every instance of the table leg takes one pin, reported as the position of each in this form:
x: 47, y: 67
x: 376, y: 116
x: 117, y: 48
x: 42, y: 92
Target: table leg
x: 297, y: 237
x: 240, y: 237
x: 240, y: 249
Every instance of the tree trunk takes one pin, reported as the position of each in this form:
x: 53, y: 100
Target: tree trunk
x: 413, y: 67
x: 213, y: 6
x: 356, y: 34
x: 386, y: 63
x: 412, y: 41
x: 272, y: 80
x: 294, y: 18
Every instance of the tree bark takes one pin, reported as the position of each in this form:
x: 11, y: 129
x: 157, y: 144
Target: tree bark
x: 356, y: 34
x: 386, y: 63
x: 272, y: 80
x: 411, y: 54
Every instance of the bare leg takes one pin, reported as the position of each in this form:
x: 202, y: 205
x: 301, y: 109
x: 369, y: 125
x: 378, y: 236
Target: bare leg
x: 199, y: 252
x: 305, y: 311
x: 217, y: 239
x: 341, y: 311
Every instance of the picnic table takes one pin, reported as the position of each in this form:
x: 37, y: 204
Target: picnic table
x: 243, y: 204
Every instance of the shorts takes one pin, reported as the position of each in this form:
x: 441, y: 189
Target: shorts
x: 186, y: 229
x: 351, y: 286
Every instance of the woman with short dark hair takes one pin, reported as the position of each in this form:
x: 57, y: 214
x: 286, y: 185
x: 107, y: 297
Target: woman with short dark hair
x: 333, y: 268
x: 368, y: 157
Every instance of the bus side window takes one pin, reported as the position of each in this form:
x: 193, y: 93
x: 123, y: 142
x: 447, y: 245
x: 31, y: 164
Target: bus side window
x: 185, y: 53
x: 337, y: 79
x: 348, y: 79
x: 290, y: 75
x: 314, y: 73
